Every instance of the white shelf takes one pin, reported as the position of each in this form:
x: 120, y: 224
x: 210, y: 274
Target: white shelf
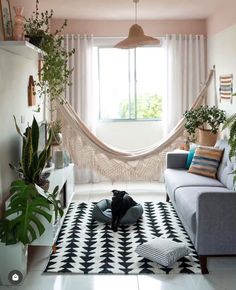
x: 22, y: 48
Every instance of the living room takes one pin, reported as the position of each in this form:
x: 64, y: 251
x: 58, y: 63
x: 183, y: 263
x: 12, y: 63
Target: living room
x: 132, y: 103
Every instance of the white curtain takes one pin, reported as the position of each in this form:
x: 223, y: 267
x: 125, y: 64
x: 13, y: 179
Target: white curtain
x: 80, y: 94
x: 185, y: 74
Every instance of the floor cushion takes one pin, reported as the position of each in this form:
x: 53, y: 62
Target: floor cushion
x: 102, y: 213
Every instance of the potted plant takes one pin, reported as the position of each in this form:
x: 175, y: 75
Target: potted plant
x: 56, y: 127
x: 22, y: 223
x: 207, y: 121
x: 231, y: 124
x: 54, y: 72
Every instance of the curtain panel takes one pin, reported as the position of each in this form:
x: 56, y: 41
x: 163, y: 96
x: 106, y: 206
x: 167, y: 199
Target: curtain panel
x: 80, y: 93
x: 185, y: 74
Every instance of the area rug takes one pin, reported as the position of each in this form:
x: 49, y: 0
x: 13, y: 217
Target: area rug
x: 85, y: 246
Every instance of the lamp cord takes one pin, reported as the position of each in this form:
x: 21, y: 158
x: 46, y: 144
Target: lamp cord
x: 136, y: 10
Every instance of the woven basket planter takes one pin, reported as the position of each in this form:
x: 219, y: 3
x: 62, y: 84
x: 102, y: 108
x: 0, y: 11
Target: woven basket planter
x: 206, y: 137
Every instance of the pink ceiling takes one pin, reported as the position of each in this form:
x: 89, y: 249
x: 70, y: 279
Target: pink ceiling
x: 124, y: 9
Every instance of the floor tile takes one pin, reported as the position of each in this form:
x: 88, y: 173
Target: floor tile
x: 166, y: 282
x: 37, y: 281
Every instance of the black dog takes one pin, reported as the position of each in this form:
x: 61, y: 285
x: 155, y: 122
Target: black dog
x: 121, y: 202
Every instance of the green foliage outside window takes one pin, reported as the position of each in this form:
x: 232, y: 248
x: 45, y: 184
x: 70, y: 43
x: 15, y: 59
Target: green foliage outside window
x: 148, y: 107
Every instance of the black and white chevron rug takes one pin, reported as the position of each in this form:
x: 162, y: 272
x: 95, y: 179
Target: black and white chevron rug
x: 85, y: 246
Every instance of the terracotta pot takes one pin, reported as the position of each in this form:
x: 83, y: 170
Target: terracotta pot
x: 206, y: 137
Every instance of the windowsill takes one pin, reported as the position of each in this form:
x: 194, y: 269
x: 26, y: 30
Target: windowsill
x: 128, y: 120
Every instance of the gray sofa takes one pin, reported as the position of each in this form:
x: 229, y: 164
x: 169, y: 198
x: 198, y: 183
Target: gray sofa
x: 206, y: 206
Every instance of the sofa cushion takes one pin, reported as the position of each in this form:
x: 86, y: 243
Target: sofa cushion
x: 190, y: 157
x: 206, y: 161
x: 176, y: 178
x: 226, y: 165
x: 186, y: 202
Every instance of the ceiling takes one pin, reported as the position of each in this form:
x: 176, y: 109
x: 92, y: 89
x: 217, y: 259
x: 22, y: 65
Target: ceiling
x: 124, y: 9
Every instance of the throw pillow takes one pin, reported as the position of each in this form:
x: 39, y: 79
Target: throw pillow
x: 190, y: 157
x: 206, y: 161
x: 163, y: 251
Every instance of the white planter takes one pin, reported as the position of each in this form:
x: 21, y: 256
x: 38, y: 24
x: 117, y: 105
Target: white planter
x: 12, y: 257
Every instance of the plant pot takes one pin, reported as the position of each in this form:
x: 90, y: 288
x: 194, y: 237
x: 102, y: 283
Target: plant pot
x: 35, y: 40
x: 12, y: 257
x: 206, y: 137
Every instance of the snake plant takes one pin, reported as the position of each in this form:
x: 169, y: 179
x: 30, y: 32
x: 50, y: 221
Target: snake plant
x: 22, y: 221
x: 32, y: 162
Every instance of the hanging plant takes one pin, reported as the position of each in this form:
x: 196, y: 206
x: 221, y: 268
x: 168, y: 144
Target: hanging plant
x: 55, y: 75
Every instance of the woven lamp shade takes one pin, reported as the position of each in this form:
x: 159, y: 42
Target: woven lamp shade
x: 137, y: 38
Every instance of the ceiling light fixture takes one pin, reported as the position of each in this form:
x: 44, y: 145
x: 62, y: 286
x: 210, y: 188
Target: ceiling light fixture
x: 136, y: 36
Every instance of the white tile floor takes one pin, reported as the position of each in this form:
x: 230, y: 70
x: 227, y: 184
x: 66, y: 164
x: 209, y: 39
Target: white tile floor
x: 222, y: 270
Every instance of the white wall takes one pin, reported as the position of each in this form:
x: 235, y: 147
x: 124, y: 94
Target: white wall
x: 130, y: 135
x: 14, y: 75
x: 222, y: 53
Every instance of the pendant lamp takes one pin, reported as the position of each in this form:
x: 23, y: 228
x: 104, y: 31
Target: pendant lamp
x: 136, y: 36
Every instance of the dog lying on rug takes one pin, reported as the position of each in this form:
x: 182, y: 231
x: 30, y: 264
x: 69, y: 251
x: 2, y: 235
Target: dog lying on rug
x: 121, y: 202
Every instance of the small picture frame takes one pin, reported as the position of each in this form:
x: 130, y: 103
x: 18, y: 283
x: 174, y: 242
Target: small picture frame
x: 6, y: 28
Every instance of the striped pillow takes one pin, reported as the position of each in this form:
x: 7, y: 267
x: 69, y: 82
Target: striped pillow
x: 206, y: 161
x: 162, y: 251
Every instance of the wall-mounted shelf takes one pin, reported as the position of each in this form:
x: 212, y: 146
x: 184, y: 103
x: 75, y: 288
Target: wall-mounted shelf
x: 22, y: 48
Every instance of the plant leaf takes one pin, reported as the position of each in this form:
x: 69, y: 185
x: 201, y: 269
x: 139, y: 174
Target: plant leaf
x: 35, y: 135
x: 28, y: 206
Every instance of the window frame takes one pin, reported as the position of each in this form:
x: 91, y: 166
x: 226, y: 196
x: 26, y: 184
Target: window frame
x: 130, y: 119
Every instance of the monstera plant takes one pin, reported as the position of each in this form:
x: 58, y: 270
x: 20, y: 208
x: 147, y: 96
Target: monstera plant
x: 22, y: 220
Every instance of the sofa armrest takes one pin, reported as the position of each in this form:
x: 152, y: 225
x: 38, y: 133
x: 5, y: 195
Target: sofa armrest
x: 176, y: 159
x: 216, y: 223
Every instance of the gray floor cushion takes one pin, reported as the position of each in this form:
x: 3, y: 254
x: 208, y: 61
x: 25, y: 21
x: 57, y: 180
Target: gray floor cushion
x: 102, y: 213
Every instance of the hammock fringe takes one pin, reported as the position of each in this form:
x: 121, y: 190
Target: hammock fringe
x: 87, y: 151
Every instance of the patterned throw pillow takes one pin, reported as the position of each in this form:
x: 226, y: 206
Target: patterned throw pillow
x: 206, y: 161
x: 163, y: 251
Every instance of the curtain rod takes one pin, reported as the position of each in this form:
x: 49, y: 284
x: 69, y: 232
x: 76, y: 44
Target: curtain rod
x: 75, y: 36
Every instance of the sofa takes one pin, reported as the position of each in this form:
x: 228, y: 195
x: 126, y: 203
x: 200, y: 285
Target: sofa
x: 205, y: 206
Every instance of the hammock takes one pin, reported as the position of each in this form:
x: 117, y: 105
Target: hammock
x: 146, y: 164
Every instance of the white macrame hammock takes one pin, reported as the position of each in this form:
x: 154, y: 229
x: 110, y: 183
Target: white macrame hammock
x: 147, y: 164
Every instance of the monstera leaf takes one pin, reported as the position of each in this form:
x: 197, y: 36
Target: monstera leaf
x: 7, y: 235
x: 24, y: 210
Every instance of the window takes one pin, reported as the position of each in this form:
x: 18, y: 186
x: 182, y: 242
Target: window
x: 130, y: 83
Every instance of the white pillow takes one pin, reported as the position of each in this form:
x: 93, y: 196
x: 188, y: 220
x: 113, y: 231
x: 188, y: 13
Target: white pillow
x: 163, y: 251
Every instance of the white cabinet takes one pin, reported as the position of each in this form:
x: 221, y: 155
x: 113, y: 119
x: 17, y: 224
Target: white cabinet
x: 64, y: 178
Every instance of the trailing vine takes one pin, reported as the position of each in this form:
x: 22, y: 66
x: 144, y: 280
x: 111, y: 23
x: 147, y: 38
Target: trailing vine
x: 55, y: 74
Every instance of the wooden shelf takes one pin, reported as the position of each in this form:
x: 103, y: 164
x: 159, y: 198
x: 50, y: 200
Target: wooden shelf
x: 22, y: 48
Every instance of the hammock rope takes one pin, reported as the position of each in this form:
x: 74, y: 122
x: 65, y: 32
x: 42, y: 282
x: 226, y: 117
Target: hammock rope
x: 87, y: 151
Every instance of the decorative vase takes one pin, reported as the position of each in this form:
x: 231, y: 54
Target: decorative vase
x: 59, y: 159
x: 56, y: 139
x: 206, y: 137
x: 18, y: 32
